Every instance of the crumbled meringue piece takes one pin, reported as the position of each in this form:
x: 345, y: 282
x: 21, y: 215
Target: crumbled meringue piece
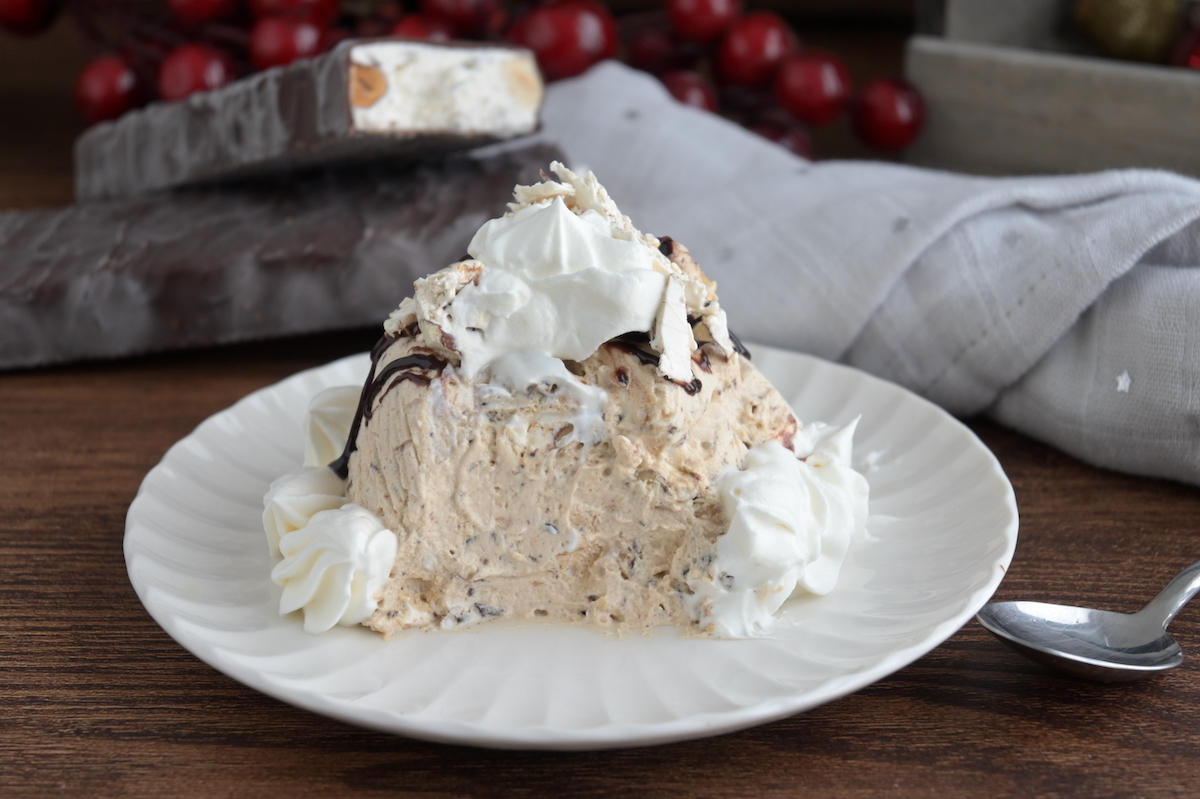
x: 591, y: 196
x: 673, y: 335
x: 712, y: 319
x: 538, y: 193
x: 401, y: 318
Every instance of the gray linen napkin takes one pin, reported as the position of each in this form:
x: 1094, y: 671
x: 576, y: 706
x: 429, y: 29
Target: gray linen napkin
x: 1065, y: 307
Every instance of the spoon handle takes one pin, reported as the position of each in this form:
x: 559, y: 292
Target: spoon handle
x: 1177, y: 594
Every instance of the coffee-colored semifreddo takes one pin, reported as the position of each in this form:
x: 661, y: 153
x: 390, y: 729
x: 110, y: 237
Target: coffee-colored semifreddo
x: 562, y: 428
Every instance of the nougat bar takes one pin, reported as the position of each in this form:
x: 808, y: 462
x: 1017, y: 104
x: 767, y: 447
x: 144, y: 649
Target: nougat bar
x: 319, y: 250
x: 363, y: 100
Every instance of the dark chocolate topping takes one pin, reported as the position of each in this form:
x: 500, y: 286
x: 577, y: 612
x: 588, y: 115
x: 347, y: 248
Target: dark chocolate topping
x: 403, y: 367
x: 633, y: 343
x: 414, y: 367
x: 380, y: 347
x: 631, y: 346
x: 738, y: 346
x: 634, y: 337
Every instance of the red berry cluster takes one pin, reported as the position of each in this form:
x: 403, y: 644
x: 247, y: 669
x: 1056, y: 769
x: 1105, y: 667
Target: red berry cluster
x: 751, y: 66
x: 765, y: 78
x: 168, y: 53
x: 567, y: 36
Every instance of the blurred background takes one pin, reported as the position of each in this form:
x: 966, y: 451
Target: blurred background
x: 1012, y: 87
x: 39, y: 120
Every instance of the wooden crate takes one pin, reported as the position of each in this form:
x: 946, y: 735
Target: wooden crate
x: 1008, y: 91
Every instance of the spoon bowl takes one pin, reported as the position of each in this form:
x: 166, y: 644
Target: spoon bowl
x: 1096, y: 644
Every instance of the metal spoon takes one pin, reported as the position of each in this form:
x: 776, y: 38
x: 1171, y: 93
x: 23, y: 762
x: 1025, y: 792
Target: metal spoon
x: 1096, y: 644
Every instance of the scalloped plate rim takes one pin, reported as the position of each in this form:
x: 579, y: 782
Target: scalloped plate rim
x: 546, y: 737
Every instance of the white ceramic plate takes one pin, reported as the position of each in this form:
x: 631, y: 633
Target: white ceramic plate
x: 942, y: 531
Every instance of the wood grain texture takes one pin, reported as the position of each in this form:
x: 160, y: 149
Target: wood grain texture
x: 1008, y: 110
x: 98, y: 701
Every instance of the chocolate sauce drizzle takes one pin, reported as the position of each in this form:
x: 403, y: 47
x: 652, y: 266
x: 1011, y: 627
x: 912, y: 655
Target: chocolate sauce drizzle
x: 401, y: 369
x: 635, y: 337
x: 738, y: 347
x: 631, y: 343
x: 411, y: 366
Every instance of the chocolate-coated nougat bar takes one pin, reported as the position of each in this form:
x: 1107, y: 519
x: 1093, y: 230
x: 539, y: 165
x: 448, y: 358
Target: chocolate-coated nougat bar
x: 363, y: 100
x: 208, y: 265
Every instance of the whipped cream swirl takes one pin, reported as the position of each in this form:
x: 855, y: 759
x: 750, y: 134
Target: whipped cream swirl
x: 334, y: 566
x: 563, y: 272
x: 791, y: 523
x: 336, y: 555
x: 293, y: 499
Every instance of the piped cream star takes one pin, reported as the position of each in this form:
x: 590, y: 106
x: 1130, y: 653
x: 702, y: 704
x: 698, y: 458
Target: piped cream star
x: 1124, y: 382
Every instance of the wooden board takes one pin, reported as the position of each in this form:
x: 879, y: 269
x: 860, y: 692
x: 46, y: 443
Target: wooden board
x: 1005, y: 110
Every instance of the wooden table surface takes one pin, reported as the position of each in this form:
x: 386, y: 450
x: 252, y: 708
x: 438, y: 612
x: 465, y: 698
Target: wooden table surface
x: 96, y: 700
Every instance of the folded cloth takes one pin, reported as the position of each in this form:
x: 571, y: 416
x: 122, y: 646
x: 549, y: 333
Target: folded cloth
x: 1065, y: 307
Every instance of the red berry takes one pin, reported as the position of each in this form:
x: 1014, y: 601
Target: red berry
x: 195, y: 12
x: 702, y: 20
x: 650, y: 49
x: 321, y: 13
x: 380, y: 21
x: 496, y: 23
x: 276, y: 41
x: 106, y: 88
x: 419, y: 26
x: 657, y: 50
x: 753, y: 48
x: 466, y: 17
x: 193, y: 68
x: 567, y: 36
x: 391, y: 12
x: 27, y: 17
x: 1187, y: 53
x: 372, y: 27
x: 814, y: 87
x: 332, y: 37
x: 689, y: 88
x: 793, y: 137
x: 888, y: 114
